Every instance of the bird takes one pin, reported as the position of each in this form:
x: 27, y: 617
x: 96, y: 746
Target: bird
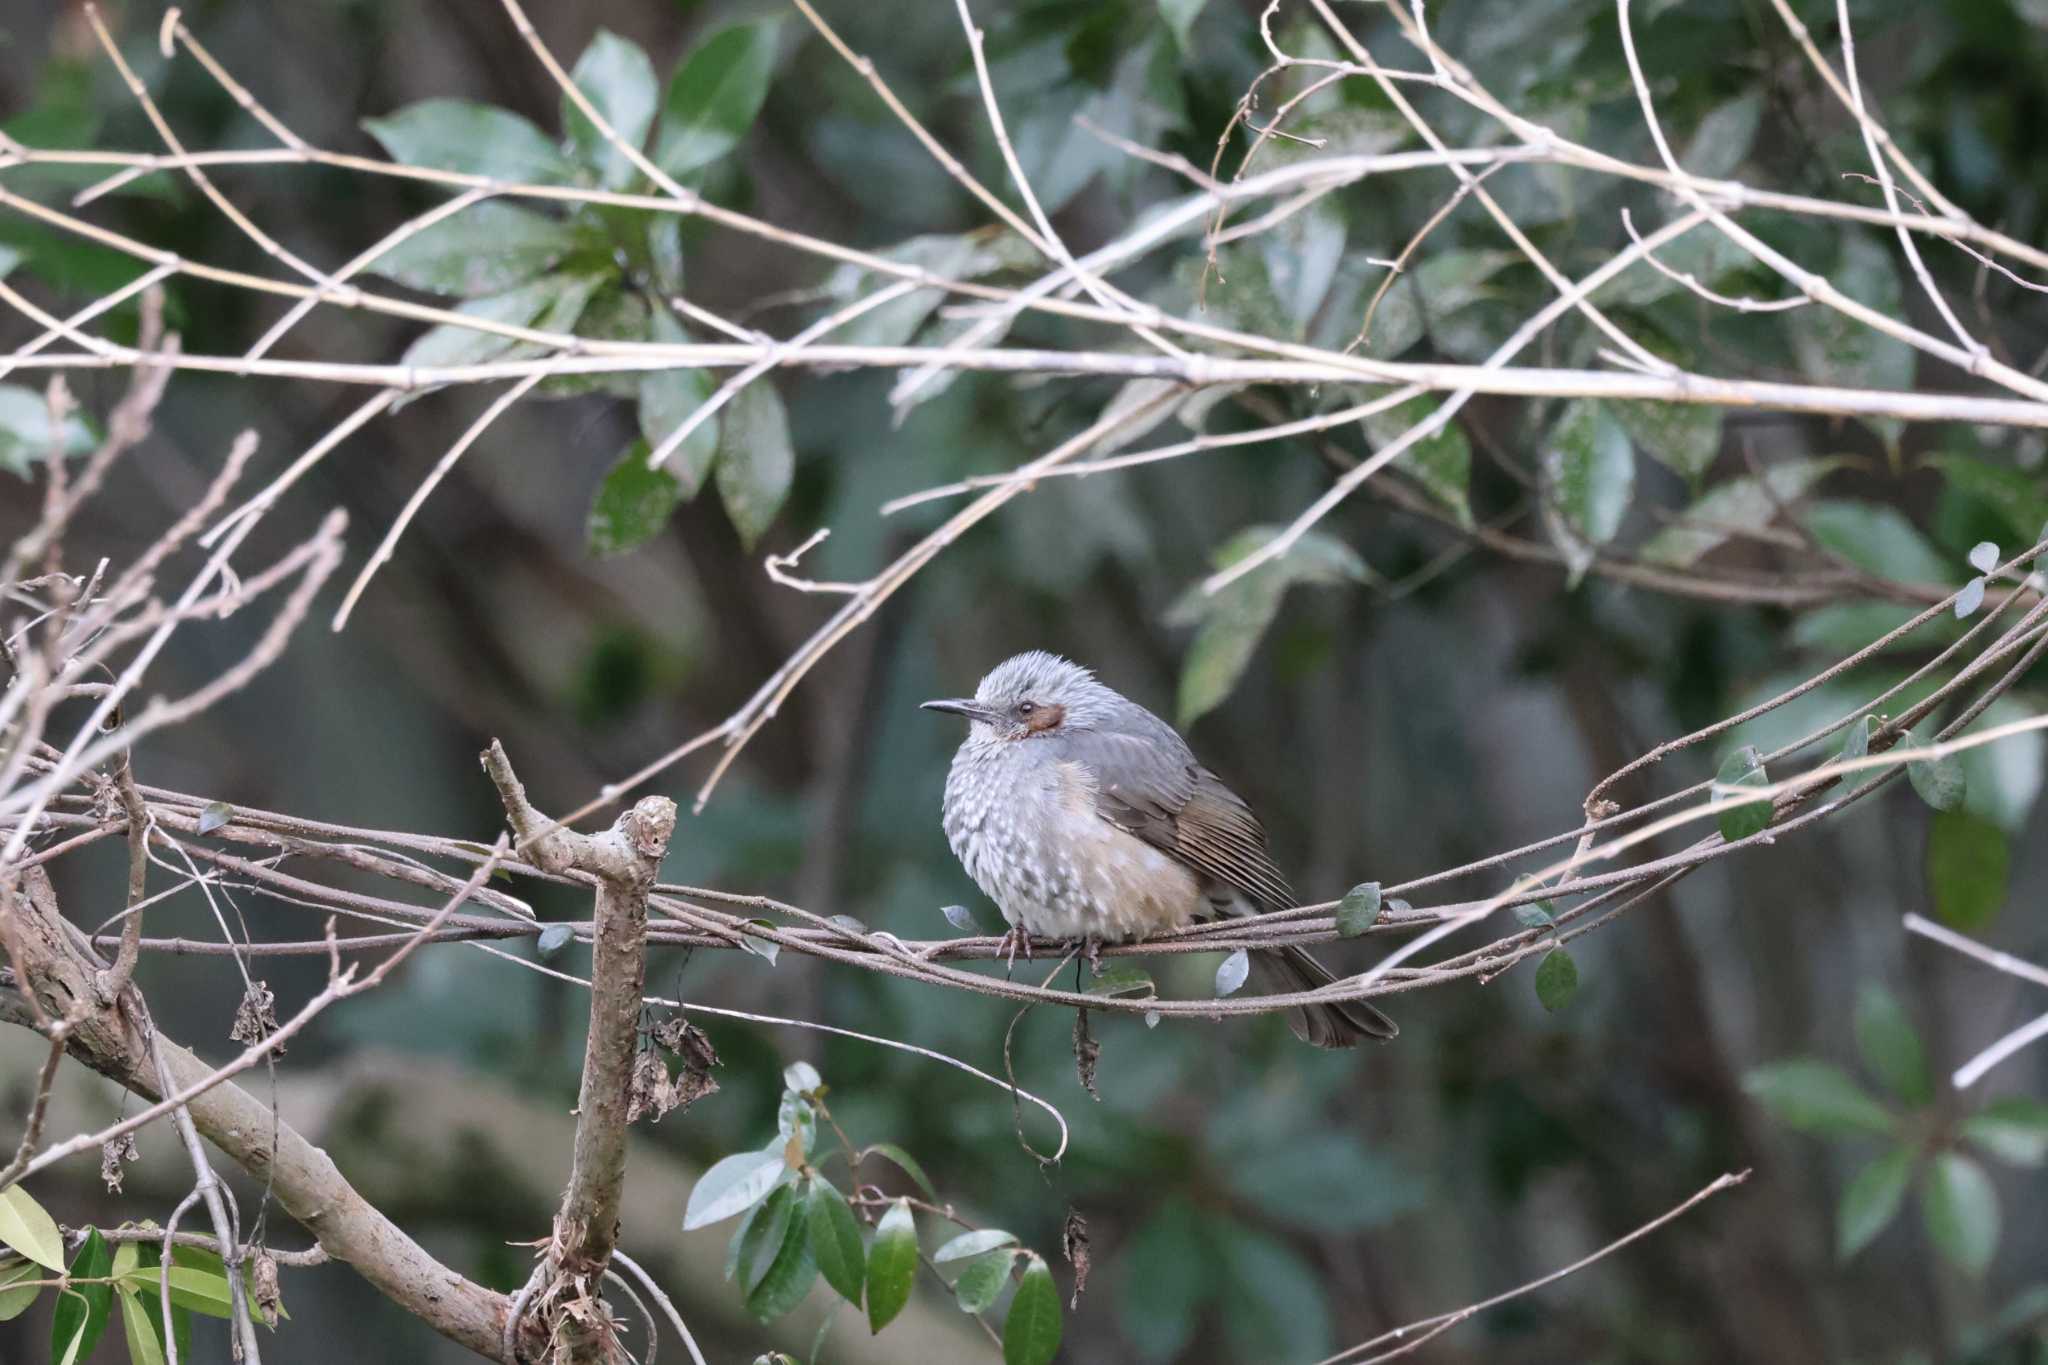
x: 1084, y: 816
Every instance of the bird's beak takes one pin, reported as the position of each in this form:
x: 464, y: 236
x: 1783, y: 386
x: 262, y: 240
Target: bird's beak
x: 963, y: 706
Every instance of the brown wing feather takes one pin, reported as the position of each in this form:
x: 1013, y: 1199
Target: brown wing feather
x: 1218, y: 834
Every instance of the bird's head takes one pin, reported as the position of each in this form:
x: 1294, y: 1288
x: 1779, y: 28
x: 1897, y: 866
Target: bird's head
x: 1033, y: 695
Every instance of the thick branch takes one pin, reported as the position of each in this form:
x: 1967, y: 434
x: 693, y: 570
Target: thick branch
x: 62, y: 973
x: 624, y: 861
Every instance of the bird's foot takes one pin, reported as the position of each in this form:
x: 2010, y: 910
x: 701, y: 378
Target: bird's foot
x: 1091, y: 952
x: 1008, y: 945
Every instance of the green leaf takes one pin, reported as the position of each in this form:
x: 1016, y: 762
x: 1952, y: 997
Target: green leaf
x: 632, y: 505
x: 759, y: 1241
x: 1324, y: 1182
x: 201, y: 1288
x: 1589, y: 476
x: 835, y: 1240
x: 1723, y: 137
x: 475, y: 139
x: 789, y: 1276
x: 1233, y: 619
x: 1746, y: 504
x: 485, y: 249
x: 1359, y: 910
x: 2015, y: 1130
x: 1968, y: 861
x: 2002, y: 780
x: 1855, y: 745
x: 1872, y: 1201
x: 1890, y: 1044
x: 1742, y: 769
x: 1231, y: 972
x: 15, y: 1300
x: 1441, y: 462
x: 904, y: 1162
x: 760, y: 946
x: 29, y: 1230
x: 145, y: 1347
x: 551, y: 304
x: 2013, y: 495
x: 1683, y: 437
x: 1878, y: 540
x: 667, y: 399
x: 973, y: 1244
x: 616, y: 77
x: 1122, y: 979
x: 738, y: 1182
x: 1961, y: 1212
x: 553, y: 939
x: 1834, y: 348
x: 1170, y: 1270
x: 755, y: 460
x: 892, y: 1265
x: 1557, y: 979
x: 794, y: 1117
x: 1535, y: 915
x: 981, y: 1280
x: 1031, y: 1329
x: 82, y: 1310
x: 214, y: 815
x: 1273, y: 1304
x: 715, y: 95
x: 1940, y: 782
x: 25, y: 434
x: 1816, y: 1097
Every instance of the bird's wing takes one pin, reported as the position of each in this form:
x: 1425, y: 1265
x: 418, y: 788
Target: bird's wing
x: 1160, y: 794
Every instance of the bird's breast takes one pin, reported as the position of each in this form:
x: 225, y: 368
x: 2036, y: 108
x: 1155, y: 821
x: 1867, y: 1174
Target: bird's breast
x: 1025, y: 826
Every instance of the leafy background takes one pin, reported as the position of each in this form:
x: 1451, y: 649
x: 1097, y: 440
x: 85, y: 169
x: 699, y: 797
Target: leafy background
x: 1247, y: 1199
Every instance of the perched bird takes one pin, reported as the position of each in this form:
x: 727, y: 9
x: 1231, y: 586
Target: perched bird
x: 1084, y: 816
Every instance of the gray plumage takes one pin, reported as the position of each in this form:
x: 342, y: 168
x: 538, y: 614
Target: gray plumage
x: 1083, y: 815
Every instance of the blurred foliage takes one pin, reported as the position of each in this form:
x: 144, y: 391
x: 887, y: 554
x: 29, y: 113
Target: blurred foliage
x: 1419, y: 703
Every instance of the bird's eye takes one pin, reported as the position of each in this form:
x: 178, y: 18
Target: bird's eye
x: 1025, y: 708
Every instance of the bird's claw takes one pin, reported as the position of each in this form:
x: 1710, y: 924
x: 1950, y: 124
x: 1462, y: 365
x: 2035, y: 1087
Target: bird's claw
x: 1008, y: 944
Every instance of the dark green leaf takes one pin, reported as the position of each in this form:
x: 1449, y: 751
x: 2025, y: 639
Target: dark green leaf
x: 1722, y: 139
x: 2012, y: 494
x: 1815, y: 1097
x: 1324, y: 1182
x: 1834, y: 348
x: 214, y: 815
x: 755, y: 459
x: 1890, y: 1044
x: 715, y: 95
x: 1872, y: 1201
x: 1855, y: 745
x: 892, y: 1265
x: 1273, y: 1304
x: 1940, y: 782
x: 485, y: 249
x: 835, y: 1241
x: 25, y: 433
x: 2014, y: 1130
x: 1740, y: 504
x: 551, y: 304
x: 1031, y: 1329
x: 553, y: 939
x: 759, y: 1242
x: 82, y: 1310
x: 1961, y: 1212
x: 1170, y: 1270
x: 788, y: 1278
x: 981, y: 1280
x: 1557, y: 979
x: 1589, y: 476
x: 1441, y: 461
x: 475, y: 139
x: 1683, y: 437
x: 1535, y: 915
x: 1740, y: 770
x: 632, y: 505
x: 1231, y: 972
x: 25, y: 1227
x: 616, y: 77
x: 905, y: 1162
x: 736, y: 1183
x: 1359, y: 910
x: 1968, y: 861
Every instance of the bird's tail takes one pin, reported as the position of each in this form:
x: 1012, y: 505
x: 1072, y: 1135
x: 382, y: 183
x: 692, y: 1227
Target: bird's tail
x: 1338, y: 1024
